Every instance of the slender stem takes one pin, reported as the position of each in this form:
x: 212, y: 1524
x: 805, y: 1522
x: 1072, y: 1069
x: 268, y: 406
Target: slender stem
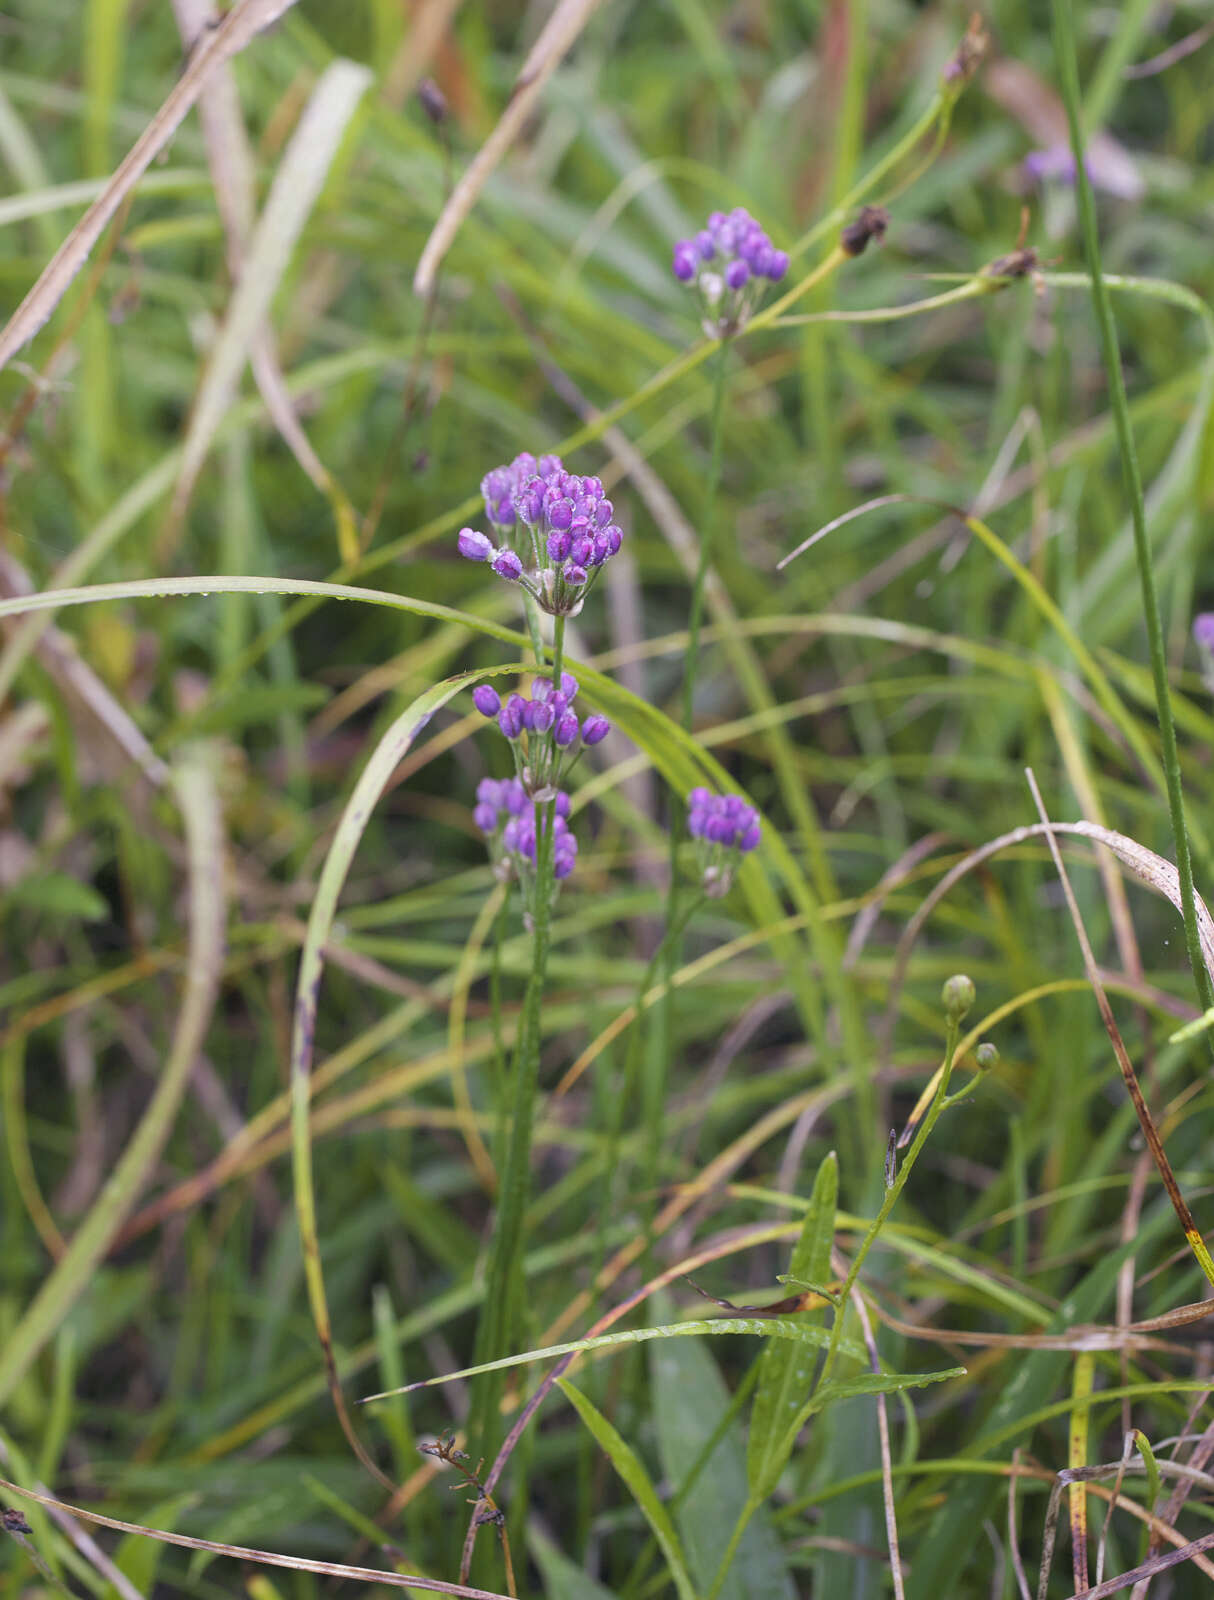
x: 501, y: 1316
x: 660, y: 1035
x: 891, y: 1196
x: 731, y: 1549
x: 1068, y: 68
x: 707, y: 529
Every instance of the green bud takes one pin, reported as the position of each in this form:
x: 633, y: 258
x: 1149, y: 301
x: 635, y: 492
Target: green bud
x: 986, y: 1057
x: 958, y: 996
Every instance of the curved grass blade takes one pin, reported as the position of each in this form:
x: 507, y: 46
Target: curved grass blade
x: 372, y: 782
x: 631, y: 1469
x: 196, y: 793
x: 760, y: 1327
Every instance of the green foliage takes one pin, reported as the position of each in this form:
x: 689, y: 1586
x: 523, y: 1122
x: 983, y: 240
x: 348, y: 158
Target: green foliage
x: 259, y: 1012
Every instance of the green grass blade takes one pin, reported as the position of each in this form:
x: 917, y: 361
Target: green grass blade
x: 631, y: 1469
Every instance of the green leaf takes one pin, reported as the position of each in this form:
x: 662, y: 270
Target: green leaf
x: 690, y: 1397
x: 60, y: 896
x: 760, y: 1327
x: 630, y: 1468
x: 563, y: 1579
x: 786, y: 1373
x: 879, y: 1383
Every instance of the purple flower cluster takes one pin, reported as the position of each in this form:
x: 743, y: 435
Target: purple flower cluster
x: 544, y: 731
x: 507, y: 816
x: 560, y: 527
x: 725, y: 828
x: 729, y: 262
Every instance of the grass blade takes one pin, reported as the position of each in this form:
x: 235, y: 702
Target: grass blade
x: 631, y: 1469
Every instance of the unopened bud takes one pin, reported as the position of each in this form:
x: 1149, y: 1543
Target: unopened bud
x: 985, y: 1057
x: 958, y: 996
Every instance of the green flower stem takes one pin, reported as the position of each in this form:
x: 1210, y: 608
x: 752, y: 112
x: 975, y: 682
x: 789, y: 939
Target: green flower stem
x: 1068, y: 69
x: 891, y: 1196
x: 502, y: 1313
x: 939, y: 1101
x: 661, y: 1033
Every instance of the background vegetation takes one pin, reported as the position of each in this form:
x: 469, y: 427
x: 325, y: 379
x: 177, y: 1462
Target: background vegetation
x: 174, y: 764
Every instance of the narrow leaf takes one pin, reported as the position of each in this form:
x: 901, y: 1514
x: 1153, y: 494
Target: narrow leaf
x: 631, y: 1469
x: 760, y: 1327
x: 785, y: 1372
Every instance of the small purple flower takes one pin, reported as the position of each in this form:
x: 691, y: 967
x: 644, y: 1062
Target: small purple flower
x: 595, y: 728
x: 742, y: 259
x: 560, y: 526
x: 538, y: 716
x: 566, y: 730
x: 486, y: 700
x: 510, y: 717
x: 475, y: 546
x: 725, y: 828
x: 1203, y: 630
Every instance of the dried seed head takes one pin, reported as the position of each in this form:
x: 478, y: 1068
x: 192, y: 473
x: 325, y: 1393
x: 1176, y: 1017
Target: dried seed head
x: 870, y: 223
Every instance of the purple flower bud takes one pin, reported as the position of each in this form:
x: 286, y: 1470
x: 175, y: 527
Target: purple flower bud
x: 529, y: 502
x: 510, y: 717
x: 485, y: 817
x: 563, y: 805
x: 750, y: 839
x: 538, y: 716
x: 566, y: 730
x: 558, y: 546
x: 595, y: 728
x: 475, y: 546
x: 549, y: 466
x: 575, y: 577
x: 486, y: 700
x: 581, y: 550
x: 716, y: 221
x: 507, y: 565
x: 1203, y: 630
x: 778, y: 265
x: 560, y: 514
x: 705, y: 245
x: 602, y: 549
x: 514, y: 797
x: 684, y: 264
x: 737, y: 274
x: 603, y: 513
x: 569, y: 685
x: 699, y: 797
x: 564, y: 862
x: 615, y: 539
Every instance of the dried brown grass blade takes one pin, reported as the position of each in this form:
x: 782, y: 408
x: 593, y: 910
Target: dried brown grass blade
x: 266, y: 1558
x: 246, y: 18
x: 230, y: 160
x: 558, y: 34
x: 1145, y: 1121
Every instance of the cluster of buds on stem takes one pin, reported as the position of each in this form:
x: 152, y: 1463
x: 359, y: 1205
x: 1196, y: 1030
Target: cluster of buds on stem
x: 514, y: 825
x: 729, y: 263
x: 546, y: 736
x: 558, y: 531
x: 725, y: 829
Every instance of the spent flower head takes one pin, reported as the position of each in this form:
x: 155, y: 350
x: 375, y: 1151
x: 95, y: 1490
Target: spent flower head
x: 557, y: 527
x: 545, y: 732
x: 729, y: 263
x: 725, y: 828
